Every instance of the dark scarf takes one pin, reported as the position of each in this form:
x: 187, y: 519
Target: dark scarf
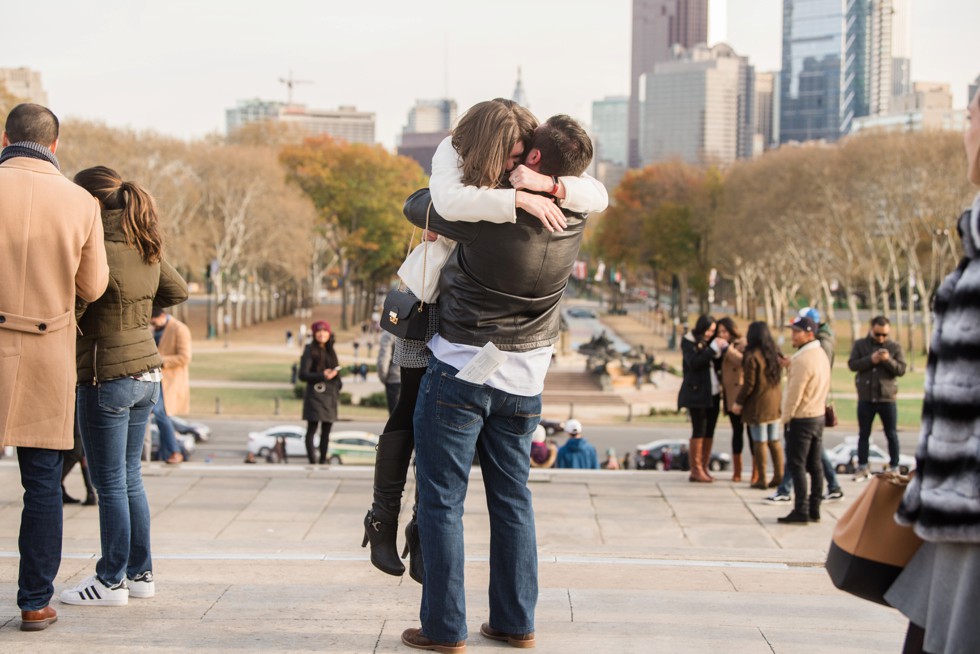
x: 30, y: 150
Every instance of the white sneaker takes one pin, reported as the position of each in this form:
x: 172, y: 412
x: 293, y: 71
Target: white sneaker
x: 862, y: 474
x: 141, y: 585
x: 92, y: 592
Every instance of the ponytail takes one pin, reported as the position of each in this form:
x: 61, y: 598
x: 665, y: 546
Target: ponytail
x: 139, y: 220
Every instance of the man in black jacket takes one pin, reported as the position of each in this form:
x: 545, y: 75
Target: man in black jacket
x: 499, y: 298
x: 878, y: 361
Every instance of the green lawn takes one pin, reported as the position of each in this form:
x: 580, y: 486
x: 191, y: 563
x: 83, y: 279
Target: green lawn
x: 842, y: 380
x: 262, y: 402
x: 235, y: 366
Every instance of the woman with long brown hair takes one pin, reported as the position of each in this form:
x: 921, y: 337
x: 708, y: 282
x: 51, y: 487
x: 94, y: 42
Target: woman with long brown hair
x: 731, y: 384
x: 758, y: 402
x: 118, y: 384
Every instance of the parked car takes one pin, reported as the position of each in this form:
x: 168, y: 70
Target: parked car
x: 580, y: 312
x: 553, y: 427
x: 200, y: 431
x: 350, y: 447
x: 650, y: 456
x: 844, y: 458
x: 186, y: 441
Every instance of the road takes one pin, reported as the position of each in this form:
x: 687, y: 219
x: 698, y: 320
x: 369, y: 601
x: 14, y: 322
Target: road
x: 229, y: 437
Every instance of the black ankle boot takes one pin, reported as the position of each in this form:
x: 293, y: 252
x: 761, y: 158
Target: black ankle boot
x: 381, y: 535
x: 814, y: 513
x: 413, y: 549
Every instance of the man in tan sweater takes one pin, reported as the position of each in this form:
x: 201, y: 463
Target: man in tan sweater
x: 804, y: 406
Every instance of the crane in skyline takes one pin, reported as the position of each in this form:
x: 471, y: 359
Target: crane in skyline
x: 290, y: 82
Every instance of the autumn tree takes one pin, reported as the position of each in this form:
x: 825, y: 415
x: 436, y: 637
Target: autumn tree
x: 358, y: 191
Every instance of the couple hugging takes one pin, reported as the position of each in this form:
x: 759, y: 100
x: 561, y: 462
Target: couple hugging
x: 514, y: 197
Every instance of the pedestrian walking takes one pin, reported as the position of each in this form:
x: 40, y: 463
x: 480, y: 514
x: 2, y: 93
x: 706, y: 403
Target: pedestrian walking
x: 173, y: 339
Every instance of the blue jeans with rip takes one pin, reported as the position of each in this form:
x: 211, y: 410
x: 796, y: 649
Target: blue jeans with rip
x: 41, y: 524
x: 454, y: 419
x: 168, y: 439
x: 112, y: 416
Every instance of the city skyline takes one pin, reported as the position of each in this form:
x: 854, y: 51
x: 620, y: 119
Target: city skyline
x: 176, y: 67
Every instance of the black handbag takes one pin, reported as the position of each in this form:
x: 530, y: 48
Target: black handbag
x: 403, y: 314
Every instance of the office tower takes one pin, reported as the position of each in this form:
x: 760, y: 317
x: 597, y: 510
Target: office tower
x: 25, y: 84
x: 928, y: 107
x: 658, y: 25
x: 699, y: 107
x: 901, y: 47
x: 765, y: 134
x: 880, y: 76
x: 431, y: 116
x: 345, y: 123
x: 610, y: 127
x: 429, y: 122
x: 824, y: 80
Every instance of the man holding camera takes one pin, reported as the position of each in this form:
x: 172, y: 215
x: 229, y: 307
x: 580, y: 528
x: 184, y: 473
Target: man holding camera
x: 878, y: 362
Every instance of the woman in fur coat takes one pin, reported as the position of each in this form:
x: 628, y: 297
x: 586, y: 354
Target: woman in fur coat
x: 939, y: 590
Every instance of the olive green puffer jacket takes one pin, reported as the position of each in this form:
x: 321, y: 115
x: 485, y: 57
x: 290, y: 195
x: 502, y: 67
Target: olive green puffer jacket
x: 114, y: 340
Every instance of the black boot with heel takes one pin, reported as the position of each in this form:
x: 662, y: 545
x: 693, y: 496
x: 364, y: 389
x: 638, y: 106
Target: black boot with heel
x: 381, y: 521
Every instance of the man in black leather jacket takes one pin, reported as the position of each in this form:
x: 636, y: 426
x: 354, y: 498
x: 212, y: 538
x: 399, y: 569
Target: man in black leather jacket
x: 501, y: 290
x: 878, y: 362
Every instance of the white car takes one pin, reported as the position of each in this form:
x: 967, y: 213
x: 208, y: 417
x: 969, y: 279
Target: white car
x: 844, y: 458
x: 350, y: 447
x: 185, y: 441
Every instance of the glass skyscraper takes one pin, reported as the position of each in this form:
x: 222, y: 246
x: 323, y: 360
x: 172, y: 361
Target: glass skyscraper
x: 824, y: 81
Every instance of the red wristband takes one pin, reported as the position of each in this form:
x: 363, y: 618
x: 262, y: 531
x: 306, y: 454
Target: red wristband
x: 554, y: 189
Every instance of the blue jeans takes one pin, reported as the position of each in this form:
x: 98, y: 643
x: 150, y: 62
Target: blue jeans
x: 168, y: 440
x: 113, y: 416
x: 889, y: 422
x: 450, y: 416
x: 786, y: 487
x: 763, y: 432
x: 40, y: 526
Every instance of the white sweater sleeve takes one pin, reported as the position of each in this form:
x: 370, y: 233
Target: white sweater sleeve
x: 584, y: 194
x: 456, y: 202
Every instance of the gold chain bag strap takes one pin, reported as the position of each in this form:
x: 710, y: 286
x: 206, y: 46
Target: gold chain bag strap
x: 404, y: 314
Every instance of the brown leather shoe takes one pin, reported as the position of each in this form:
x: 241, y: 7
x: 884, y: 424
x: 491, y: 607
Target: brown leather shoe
x: 175, y: 458
x: 38, y: 620
x: 522, y: 641
x: 415, y: 638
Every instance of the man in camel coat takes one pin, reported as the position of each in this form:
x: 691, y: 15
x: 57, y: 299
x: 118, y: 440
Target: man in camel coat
x: 51, y: 249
